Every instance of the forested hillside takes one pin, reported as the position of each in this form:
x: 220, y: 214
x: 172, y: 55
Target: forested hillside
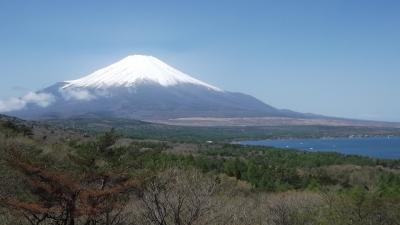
x: 194, y: 134
x: 54, y: 176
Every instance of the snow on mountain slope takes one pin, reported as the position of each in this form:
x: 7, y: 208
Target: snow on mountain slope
x: 145, y: 88
x: 133, y: 70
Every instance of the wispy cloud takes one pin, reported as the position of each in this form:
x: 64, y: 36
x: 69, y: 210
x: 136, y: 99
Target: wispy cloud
x: 40, y: 99
x: 76, y: 94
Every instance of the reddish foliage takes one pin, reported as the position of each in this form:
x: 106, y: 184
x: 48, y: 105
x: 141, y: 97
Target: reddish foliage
x: 64, y: 199
x: 30, y: 207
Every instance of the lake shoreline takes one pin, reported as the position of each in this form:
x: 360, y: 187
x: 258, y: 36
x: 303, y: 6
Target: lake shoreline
x: 320, y: 138
x: 387, y: 147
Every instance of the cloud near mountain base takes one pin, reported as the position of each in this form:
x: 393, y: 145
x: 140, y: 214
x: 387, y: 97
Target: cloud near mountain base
x: 76, y: 94
x: 40, y: 99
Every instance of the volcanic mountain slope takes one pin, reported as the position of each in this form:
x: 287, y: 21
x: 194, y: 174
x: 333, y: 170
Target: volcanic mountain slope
x: 143, y: 87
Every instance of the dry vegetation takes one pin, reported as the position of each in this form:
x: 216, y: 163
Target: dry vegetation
x: 114, y: 181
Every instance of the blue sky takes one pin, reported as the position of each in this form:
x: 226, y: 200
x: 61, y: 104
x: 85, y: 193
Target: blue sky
x: 332, y: 57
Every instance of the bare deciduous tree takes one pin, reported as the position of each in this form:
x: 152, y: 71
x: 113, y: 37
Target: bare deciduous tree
x: 178, y: 197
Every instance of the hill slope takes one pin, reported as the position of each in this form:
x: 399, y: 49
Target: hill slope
x: 143, y: 87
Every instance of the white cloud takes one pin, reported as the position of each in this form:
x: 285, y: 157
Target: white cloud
x: 76, y: 94
x: 12, y: 104
x: 40, y: 99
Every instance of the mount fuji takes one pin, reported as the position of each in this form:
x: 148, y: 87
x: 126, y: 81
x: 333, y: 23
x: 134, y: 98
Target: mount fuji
x: 145, y: 88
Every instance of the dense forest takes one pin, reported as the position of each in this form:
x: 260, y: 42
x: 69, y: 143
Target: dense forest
x: 56, y: 176
x: 170, y: 133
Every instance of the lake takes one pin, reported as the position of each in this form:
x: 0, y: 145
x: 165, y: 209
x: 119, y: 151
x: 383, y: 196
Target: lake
x: 378, y: 147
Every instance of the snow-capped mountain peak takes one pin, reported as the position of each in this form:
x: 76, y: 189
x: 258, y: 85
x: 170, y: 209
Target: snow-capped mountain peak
x: 134, y: 69
x: 141, y: 87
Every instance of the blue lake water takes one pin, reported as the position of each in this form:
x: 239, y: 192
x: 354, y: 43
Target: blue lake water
x: 378, y: 147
